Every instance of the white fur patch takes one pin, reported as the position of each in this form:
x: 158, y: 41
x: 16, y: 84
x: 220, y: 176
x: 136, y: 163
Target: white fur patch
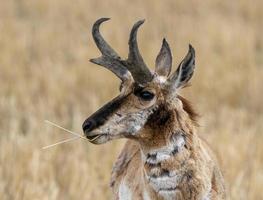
x: 164, y: 182
x: 124, y: 192
x: 146, y: 195
x: 168, y: 195
x: 208, y: 194
x: 161, y: 79
x: 154, y: 171
x: 206, y: 198
x: 165, y: 152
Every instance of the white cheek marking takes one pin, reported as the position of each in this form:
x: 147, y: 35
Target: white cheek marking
x: 136, y: 128
x: 124, y: 192
x: 132, y: 123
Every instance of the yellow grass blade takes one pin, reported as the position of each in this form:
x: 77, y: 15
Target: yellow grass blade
x: 61, y: 142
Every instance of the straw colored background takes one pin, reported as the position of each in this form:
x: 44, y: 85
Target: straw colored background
x: 45, y: 46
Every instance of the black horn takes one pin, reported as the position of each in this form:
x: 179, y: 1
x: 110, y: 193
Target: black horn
x: 109, y: 59
x: 103, y: 46
x: 135, y: 63
x: 133, y: 68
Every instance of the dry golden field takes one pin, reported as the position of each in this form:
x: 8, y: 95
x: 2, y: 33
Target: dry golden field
x: 45, y: 46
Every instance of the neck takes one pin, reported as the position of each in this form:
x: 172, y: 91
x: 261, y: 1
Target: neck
x: 164, y: 155
x: 162, y: 164
x: 160, y: 152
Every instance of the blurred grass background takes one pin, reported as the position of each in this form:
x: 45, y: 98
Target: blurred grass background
x: 45, y: 46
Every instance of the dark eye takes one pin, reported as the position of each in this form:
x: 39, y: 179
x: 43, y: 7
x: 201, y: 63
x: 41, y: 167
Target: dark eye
x: 145, y: 95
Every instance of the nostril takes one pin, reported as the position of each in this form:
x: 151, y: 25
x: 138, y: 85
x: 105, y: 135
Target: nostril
x: 87, y: 125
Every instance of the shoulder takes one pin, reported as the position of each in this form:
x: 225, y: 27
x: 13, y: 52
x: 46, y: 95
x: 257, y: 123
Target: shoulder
x: 129, y: 150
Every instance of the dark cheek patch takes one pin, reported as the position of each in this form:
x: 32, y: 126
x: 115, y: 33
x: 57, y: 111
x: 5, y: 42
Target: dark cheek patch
x: 159, y: 118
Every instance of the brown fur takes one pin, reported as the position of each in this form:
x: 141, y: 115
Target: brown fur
x: 188, y: 108
x: 195, y: 162
x: 164, y: 158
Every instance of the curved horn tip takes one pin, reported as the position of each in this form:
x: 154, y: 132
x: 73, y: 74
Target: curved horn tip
x: 103, y: 46
x: 191, y: 49
x: 165, y: 43
x: 138, y: 23
x: 133, y: 33
x: 99, y: 21
x: 141, y: 21
x: 134, y: 29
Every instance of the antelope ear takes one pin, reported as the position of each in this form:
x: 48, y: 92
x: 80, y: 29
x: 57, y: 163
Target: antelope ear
x: 184, y: 71
x: 163, y: 62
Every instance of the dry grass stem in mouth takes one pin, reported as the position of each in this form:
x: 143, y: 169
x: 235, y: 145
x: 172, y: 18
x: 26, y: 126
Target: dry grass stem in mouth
x: 73, y: 133
x: 61, y: 142
x: 77, y: 136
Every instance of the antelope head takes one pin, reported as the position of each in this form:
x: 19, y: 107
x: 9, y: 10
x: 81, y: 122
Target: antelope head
x: 143, y: 94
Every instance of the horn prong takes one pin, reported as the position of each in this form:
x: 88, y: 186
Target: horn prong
x: 115, y: 66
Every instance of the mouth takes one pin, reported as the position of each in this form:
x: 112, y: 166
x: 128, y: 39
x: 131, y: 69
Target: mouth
x: 95, y: 139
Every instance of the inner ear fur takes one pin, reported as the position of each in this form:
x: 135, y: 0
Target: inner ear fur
x: 163, y: 62
x: 184, y: 71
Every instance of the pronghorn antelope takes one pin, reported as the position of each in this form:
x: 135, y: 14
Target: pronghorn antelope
x: 164, y: 158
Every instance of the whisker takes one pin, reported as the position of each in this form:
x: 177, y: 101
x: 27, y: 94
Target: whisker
x: 61, y: 142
